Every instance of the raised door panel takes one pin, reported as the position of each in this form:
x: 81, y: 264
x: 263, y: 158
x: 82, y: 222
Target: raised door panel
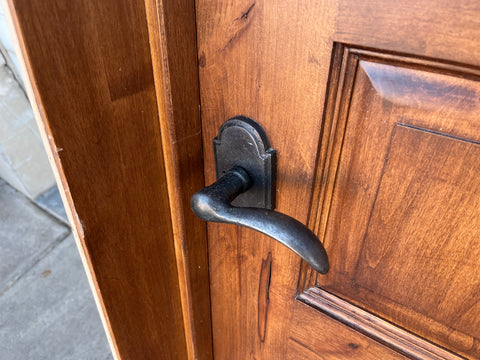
x: 399, y: 210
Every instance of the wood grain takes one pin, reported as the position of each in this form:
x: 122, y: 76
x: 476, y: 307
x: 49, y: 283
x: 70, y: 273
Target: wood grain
x: 402, y: 193
x: 262, y: 60
x: 174, y: 54
x: 374, y: 327
x: 316, y: 336
x: 442, y: 30
x: 269, y: 61
x: 91, y: 72
x: 115, y: 86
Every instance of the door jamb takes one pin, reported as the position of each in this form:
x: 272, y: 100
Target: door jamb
x: 155, y: 43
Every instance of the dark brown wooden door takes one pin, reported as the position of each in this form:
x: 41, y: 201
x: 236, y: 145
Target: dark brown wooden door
x: 373, y: 108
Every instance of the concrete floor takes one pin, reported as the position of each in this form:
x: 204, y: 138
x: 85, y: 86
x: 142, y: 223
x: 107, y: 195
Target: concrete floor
x: 47, y: 309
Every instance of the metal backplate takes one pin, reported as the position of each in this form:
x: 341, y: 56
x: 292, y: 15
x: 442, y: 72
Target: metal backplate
x: 242, y: 142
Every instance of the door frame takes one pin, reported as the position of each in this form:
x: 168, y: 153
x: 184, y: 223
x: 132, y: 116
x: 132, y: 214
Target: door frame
x: 114, y: 88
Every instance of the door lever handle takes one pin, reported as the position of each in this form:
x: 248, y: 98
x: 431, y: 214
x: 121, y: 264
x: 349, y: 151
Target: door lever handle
x: 213, y: 204
x: 245, y: 167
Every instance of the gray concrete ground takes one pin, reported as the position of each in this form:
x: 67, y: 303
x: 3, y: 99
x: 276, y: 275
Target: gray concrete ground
x: 51, y: 202
x: 47, y: 309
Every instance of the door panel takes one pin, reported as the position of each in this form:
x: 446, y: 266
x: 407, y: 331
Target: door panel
x: 373, y: 110
x: 399, y: 225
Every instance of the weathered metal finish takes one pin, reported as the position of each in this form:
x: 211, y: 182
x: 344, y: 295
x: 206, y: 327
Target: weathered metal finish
x: 214, y: 203
x: 242, y: 142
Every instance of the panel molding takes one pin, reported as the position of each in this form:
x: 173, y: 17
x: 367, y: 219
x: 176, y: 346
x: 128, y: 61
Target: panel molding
x: 344, y: 71
x: 373, y: 326
x: 344, y: 62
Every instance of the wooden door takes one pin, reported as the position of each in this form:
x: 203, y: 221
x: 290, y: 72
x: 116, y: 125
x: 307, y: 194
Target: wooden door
x: 374, y: 110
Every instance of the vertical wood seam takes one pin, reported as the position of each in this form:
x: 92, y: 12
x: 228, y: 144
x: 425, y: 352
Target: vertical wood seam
x: 159, y: 43
x: 164, y: 103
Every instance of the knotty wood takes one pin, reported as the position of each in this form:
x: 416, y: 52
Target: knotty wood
x: 100, y: 101
x: 268, y: 61
x: 90, y: 68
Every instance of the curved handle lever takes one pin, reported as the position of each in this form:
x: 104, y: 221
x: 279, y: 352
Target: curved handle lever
x: 213, y: 203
